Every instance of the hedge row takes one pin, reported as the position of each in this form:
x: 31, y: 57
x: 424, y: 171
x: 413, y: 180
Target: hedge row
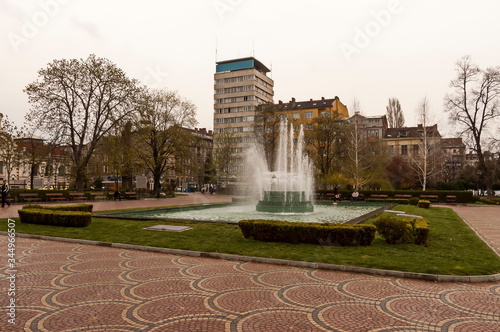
x: 66, y: 216
x: 311, y: 233
x: 394, y: 230
x: 76, y: 207
x: 461, y: 195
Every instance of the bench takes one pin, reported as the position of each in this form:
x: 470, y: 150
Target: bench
x: 430, y: 198
x: 130, y: 195
x: 77, y: 196
x: 403, y: 196
x: 55, y: 197
x: 29, y: 197
x: 97, y: 195
x: 379, y: 196
x: 451, y: 199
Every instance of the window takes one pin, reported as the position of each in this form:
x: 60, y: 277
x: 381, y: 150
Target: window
x: 404, y: 150
x: 325, y: 114
x: 415, y: 149
x: 308, y: 114
x: 296, y: 115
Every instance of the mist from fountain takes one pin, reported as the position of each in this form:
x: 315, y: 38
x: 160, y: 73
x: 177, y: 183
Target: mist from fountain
x: 289, y: 185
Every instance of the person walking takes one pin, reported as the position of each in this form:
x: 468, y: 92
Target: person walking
x: 5, y: 192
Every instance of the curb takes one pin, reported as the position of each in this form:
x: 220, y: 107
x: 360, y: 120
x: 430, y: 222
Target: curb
x: 284, y: 262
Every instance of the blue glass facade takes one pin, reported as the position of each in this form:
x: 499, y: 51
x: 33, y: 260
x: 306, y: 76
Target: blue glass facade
x: 236, y: 65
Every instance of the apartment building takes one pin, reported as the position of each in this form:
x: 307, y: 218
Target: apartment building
x: 305, y: 111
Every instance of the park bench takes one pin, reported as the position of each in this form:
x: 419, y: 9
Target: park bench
x: 451, y: 199
x: 330, y: 196
x: 379, y: 196
x: 29, y: 198
x: 77, y: 196
x: 97, y: 195
x: 130, y: 195
x: 55, y: 197
x: 430, y: 198
x: 402, y: 196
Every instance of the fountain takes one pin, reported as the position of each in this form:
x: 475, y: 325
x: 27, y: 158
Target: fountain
x: 281, y: 194
x: 286, y: 189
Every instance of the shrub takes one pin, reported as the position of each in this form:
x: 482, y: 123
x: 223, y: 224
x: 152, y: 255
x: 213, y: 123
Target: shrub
x: 392, y: 229
x: 424, y: 204
x: 388, y: 200
x: 413, y: 200
x: 76, y: 207
x: 311, y: 233
x: 395, y: 230
x: 66, y: 216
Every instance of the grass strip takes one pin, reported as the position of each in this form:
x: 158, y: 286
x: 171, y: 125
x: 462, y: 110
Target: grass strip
x: 453, y: 248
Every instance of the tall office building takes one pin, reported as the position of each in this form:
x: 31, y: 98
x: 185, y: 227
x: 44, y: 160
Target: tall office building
x: 240, y: 86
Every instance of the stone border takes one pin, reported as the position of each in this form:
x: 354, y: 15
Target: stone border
x: 300, y: 264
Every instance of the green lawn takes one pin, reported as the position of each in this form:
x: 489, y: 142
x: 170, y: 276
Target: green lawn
x: 452, y: 249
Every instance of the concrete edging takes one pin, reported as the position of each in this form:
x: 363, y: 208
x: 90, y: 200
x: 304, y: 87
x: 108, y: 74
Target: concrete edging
x: 284, y: 262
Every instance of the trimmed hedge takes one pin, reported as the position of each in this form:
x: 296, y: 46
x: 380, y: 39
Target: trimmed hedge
x: 395, y: 230
x: 388, y: 200
x: 76, y: 207
x: 424, y: 204
x: 462, y: 196
x: 310, y: 233
x: 66, y: 216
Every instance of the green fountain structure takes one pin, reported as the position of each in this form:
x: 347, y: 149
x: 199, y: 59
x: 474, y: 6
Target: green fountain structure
x: 286, y: 189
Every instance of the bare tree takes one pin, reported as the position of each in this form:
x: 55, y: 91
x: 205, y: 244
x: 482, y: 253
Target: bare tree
x: 425, y: 157
x: 225, y: 158
x: 473, y: 108
x: 161, y: 139
x: 395, y: 116
x: 267, y: 130
x: 81, y: 101
x: 325, y: 140
x: 9, y: 152
x: 362, y: 155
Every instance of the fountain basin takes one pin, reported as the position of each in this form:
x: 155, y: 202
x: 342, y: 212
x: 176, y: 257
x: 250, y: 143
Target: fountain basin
x: 232, y: 213
x: 284, y: 202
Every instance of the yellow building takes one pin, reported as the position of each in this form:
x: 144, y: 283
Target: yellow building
x: 305, y: 111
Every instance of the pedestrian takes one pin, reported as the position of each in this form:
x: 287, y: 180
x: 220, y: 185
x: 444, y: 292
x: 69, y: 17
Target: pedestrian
x: 354, y: 196
x: 211, y: 190
x: 5, y: 192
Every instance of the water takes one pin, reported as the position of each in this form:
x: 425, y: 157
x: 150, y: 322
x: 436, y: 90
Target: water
x: 292, y: 173
x: 337, y: 214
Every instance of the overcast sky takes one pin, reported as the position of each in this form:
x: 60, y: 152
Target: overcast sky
x: 365, y: 50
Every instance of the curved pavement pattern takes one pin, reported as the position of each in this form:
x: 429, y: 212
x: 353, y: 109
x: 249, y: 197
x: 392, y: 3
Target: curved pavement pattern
x: 63, y: 286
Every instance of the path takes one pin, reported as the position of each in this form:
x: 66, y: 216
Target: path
x: 62, y: 286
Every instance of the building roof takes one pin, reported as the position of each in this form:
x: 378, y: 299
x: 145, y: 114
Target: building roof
x: 309, y: 104
x: 452, y: 142
x: 241, y: 63
x: 404, y: 132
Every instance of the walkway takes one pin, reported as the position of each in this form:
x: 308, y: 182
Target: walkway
x: 61, y: 286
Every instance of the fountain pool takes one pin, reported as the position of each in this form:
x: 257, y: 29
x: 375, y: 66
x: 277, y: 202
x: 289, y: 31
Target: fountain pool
x: 232, y: 213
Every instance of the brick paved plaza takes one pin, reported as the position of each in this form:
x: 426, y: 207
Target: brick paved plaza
x: 62, y: 286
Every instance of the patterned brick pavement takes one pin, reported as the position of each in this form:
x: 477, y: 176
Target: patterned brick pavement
x: 63, y: 286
